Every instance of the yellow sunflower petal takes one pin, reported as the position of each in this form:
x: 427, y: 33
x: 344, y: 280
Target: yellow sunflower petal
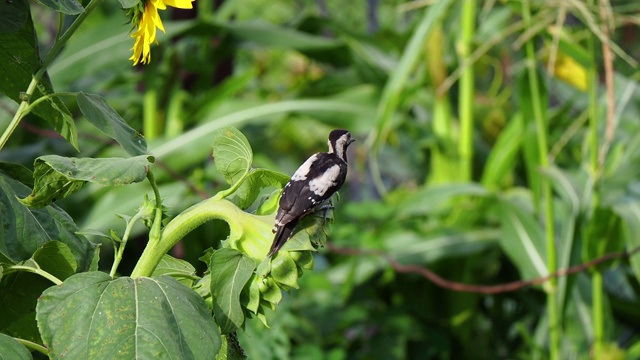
x: 147, y: 21
x: 152, y: 19
x: 159, y: 4
x: 137, y: 46
x: 181, y: 4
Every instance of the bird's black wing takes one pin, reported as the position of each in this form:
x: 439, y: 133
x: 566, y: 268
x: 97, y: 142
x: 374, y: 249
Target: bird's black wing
x: 324, y: 177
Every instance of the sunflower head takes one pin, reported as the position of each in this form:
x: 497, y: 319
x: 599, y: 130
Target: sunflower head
x: 146, y: 19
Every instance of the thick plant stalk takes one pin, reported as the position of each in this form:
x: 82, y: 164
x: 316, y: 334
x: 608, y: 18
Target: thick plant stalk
x: 465, y: 106
x: 444, y: 164
x: 177, y: 228
x: 597, y: 161
x: 547, y: 196
x: 594, y: 164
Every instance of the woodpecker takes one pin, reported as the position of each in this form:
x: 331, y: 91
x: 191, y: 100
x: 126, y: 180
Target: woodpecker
x: 316, y: 180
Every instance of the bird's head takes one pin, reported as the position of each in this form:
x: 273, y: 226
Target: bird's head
x: 339, y: 140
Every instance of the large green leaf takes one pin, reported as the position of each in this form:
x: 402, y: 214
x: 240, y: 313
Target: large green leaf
x: 11, y: 349
x: 110, y: 123
x: 230, y: 271
x: 20, y: 60
x: 26, y: 234
x: 232, y: 153
x: 26, y: 230
x: 93, y: 316
x: 58, y: 177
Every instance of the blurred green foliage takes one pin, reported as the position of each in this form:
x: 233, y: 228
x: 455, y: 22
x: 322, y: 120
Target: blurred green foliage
x: 288, y: 72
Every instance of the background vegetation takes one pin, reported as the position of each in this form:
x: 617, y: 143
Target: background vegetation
x: 498, y: 142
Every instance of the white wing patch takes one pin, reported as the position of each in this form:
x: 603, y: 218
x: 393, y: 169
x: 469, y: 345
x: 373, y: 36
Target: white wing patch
x: 322, y: 183
x: 303, y: 170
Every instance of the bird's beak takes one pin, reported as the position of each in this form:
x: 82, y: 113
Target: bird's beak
x: 351, y: 140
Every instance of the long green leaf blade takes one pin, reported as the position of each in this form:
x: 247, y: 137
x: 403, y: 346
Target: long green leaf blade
x: 109, y: 122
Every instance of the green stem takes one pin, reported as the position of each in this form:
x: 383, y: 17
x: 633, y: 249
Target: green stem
x: 597, y: 285
x: 60, y: 25
x: 592, y: 78
x: 598, y: 318
x: 38, y: 271
x: 33, y: 346
x: 155, y: 234
x: 123, y: 243
x: 465, y: 105
x: 224, y: 193
x: 541, y: 135
x: 20, y: 113
x: 156, y: 229
x: 51, y: 55
x: 180, y: 226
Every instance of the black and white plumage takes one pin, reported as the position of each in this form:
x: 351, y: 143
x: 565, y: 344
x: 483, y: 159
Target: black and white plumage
x: 316, y: 180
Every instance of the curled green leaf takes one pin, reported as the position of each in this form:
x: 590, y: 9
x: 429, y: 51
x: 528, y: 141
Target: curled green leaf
x: 270, y: 291
x: 232, y: 153
x: 284, y: 270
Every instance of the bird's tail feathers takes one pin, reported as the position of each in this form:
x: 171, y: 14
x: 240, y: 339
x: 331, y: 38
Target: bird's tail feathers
x: 283, y: 233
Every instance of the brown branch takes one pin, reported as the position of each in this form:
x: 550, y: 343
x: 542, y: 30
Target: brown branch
x: 479, y: 289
